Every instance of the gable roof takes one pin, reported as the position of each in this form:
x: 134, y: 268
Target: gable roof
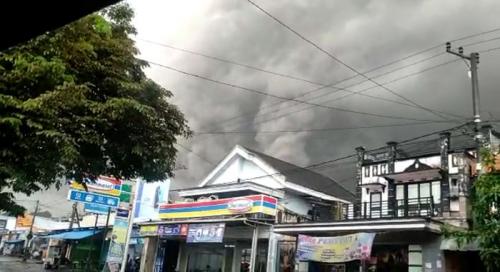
x: 305, y: 177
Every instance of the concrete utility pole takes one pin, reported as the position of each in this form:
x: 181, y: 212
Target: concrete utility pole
x: 30, y: 233
x: 473, y: 59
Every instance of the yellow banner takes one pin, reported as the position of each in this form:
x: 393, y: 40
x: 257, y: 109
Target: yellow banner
x: 151, y: 230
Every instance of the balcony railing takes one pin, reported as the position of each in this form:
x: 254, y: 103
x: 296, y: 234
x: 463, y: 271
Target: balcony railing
x: 398, y: 208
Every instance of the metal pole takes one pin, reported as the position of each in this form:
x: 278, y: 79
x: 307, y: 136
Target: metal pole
x: 92, y: 243
x: 129, y: 231
x: 253, y: 252
x: 105, y: 232
x: 30, y: 233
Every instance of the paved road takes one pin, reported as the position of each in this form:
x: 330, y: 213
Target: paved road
x: 8, y: 264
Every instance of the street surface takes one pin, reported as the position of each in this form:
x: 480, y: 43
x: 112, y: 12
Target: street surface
x: 8, y: 264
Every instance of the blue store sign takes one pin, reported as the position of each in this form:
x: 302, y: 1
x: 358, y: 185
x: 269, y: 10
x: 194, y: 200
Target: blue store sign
x: 93, y: 198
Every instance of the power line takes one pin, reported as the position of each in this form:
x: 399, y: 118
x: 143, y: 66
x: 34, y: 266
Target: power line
x: 377, y: 68
x: 350, y: 92
x: 314, y: 129
x: 260, y: 92
x: 231, y: 62
x: 196, y: 154
x: 322, y: 86
x: 372, y: 87
x: 344, y: 63
x: 363, y: 90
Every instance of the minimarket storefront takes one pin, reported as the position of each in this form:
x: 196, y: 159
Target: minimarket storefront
x: 213, y: 235
x: 378, y: 245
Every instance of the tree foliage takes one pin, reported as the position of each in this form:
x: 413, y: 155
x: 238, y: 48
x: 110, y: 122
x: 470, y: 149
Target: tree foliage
x: 76, y: 103
x: 485, y: 200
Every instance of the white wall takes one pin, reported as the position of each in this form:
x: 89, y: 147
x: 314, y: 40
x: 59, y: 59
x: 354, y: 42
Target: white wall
x: 11, y: 222
x: 230, y: 173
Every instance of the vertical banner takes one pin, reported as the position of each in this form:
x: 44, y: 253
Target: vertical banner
x: 118, y: 244
x: 336, y: 249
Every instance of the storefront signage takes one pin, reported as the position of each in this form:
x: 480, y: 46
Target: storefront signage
x: 173, y: 230
x: 117, y: 244
x: 102, y: 185
x: 122, y: 213
x: 228, y: 206
x: 87, y: 197
x: 205, y: 233
x: 96, y: 208
x: 240, y: 205
x: 148, y: 230
x: 336, y: 249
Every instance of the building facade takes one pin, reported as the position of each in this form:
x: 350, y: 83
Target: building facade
x: 226, y: 223
x: 405, y: 194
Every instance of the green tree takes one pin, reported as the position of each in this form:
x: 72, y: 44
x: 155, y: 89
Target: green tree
x: 485, y: 200
x: 76, y: 103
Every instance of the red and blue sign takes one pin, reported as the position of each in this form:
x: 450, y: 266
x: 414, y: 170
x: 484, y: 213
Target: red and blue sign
x: 228, y: 206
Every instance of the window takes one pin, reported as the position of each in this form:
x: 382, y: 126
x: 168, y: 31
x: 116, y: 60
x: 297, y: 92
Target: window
x: 383, y: 169
x: 436, y: 191
x: 425, y: 190
x: 456, y: 160
x: 400, y: 192
x: 367, y: 171
x: 454, y: 182
x: 375, y: 170
x: 412, y: 191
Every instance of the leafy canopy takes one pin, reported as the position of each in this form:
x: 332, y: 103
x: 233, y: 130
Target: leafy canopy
x: 485, y: 200
x: 75, y: 103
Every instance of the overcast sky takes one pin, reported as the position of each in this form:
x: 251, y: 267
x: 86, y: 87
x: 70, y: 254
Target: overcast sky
x: 362, y: 34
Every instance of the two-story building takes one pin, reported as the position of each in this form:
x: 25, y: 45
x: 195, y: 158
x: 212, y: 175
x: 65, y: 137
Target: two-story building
x: 405, y: 193
x: 225, y: 223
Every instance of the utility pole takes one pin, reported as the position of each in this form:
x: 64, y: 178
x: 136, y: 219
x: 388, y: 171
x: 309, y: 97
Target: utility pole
x: 74, y: 214
x: 473, y: 60
x: 30, y: 233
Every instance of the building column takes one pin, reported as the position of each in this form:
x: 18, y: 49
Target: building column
x: 360, y: 156
x: 149, y: 254
x: 253, y: 251
x: 391, y: 187
x: 272, y: 251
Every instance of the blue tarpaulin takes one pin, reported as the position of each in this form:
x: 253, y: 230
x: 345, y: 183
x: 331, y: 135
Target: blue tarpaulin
x: 73, y: 235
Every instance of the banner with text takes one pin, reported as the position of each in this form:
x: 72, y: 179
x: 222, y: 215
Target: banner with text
x: 336, y: 249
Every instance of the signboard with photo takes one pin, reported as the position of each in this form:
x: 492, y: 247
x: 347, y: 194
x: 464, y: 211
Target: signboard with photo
x: 336, y: 249
x: 149, y: 197
x: 206, y: 233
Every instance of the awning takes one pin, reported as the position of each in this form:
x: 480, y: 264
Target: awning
x: 14, y: 241
x: 73, y: 235
x: 422, y: 175
x: 452, y: 245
